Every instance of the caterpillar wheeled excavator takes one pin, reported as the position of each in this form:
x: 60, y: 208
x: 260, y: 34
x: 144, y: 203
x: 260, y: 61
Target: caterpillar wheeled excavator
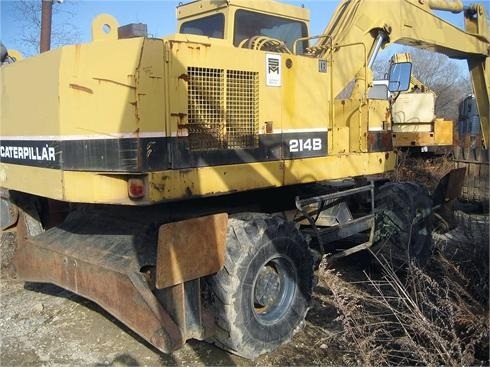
x: 190, y: 184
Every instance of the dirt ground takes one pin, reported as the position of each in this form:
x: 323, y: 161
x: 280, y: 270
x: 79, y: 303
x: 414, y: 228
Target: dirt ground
x: 43, y: 325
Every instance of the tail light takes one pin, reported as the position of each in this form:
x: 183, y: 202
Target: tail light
x: 136, y: 188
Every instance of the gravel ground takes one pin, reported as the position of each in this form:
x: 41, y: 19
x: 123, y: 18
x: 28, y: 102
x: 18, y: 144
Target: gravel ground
x: 44, y: 325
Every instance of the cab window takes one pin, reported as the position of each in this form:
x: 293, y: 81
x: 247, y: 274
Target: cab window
x: 249, y: 24
x: 212, y: 26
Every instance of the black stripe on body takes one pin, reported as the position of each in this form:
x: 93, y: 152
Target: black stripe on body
x: 155, y: 154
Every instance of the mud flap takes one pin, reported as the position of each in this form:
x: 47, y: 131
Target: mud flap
x: 99, y: 258
x: 113, y: 262
x: 190, y: 249
x: 447, y: 190
x: 125, y: 295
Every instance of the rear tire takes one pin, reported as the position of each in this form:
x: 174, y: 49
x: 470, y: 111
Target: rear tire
x: 262, y: 294
x: 403, y: 231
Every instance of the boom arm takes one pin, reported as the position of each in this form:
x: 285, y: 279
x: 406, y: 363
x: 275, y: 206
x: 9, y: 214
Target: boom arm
x: 360, y: 27
x: 476, y: 23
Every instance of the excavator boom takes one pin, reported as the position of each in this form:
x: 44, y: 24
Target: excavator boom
x: 360, y: 27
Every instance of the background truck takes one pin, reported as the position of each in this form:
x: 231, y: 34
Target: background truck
x: 191, y: 184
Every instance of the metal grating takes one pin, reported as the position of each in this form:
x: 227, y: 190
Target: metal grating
x: 242, y: 109
x: 206, y: 108
x: 219, y: 120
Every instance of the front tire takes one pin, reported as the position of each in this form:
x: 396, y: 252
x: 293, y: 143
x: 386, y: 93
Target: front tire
x: 403, y: 231
x: 262, y: 294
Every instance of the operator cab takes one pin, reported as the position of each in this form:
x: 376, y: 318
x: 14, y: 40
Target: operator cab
x: 244, y: 23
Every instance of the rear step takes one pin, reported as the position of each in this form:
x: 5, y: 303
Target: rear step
x: 343, y: 225
x: 103, y: 259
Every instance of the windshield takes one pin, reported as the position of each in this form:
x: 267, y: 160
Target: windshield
x: 212, y: 26
x: 249, y: 24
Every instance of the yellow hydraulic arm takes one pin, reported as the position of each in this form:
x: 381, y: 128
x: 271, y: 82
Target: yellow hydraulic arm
x: 476, y: 23
x: 361, y: 27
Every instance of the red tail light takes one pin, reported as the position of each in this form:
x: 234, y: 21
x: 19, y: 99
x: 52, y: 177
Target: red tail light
x: 136, y: 188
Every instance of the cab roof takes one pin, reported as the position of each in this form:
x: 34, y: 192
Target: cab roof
x: 263, y: 6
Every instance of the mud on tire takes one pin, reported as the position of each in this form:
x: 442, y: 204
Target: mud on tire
x: 403, y: 231
x: 262, y: 294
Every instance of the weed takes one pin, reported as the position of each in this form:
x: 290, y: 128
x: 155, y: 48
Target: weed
x: 433, y: 316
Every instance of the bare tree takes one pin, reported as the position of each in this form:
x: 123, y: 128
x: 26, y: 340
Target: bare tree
x: 449, y: 79
x: 28, y: 13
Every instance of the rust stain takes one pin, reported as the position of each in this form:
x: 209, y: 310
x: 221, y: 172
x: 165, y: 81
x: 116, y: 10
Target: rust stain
x: 43, y: 261
x: 181, y: 116
x: 81, y: 88
x: 186, y: 42
x: 379, y: 141
x: 115, y: 82
x: 184, y: 77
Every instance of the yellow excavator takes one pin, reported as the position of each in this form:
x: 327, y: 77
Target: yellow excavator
x: 190, y: 184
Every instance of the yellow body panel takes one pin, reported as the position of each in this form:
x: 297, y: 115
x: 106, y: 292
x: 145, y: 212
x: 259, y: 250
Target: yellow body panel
x: 35, y: 180
x: 339, y: 166
x: 356, y: 118
x: 24, y: 82
x: 112, y: 189
x: 222, y: 179
x: 139, y: 87
x: 98, y: 89
x: 440, y: 133
x: 195, y: 115
x: 443, y: 130
x: 88, y: 187
x: 113, y: 97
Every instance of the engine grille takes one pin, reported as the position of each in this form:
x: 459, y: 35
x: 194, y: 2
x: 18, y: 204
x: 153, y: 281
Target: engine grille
x: 223, y: 109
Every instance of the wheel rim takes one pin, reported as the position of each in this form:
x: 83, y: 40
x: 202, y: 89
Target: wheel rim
x: 273, y: 290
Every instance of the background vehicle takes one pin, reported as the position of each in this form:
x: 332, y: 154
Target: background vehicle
x: 415, y: 124
x: 190, y: 184
x: 470, y: 153
x: 411, y: 115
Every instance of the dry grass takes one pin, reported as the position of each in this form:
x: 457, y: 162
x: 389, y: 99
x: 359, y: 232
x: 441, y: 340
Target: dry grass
x: 426, y: 318
x: 427, y: 171
x: 434, y: 316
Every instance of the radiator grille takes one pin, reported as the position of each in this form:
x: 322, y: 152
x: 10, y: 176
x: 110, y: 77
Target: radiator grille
x: 223, y: 109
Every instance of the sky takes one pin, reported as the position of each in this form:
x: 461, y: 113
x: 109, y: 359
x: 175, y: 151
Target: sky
x: 159, y: 15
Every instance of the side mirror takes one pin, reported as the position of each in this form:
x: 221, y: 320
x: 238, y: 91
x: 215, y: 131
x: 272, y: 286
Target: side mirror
x: 399, y: 76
